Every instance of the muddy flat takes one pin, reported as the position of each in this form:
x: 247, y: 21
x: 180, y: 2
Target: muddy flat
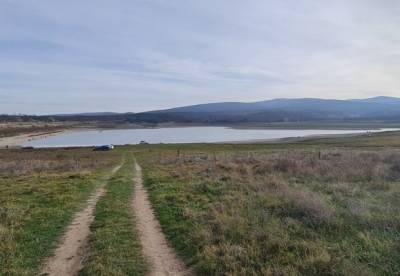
x: 69, y: 257
x: 161, y: 257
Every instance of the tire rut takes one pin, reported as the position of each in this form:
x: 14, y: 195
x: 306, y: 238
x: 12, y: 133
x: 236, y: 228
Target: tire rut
x: 162, y: 259
x: 69, y: 257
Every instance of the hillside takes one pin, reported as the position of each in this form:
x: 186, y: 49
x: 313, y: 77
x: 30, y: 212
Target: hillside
x: 290, y: 110
x: 351, y: 108
x: 378, y: 109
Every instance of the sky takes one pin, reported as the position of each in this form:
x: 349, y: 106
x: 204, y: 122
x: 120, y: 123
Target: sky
x: 60, y: 56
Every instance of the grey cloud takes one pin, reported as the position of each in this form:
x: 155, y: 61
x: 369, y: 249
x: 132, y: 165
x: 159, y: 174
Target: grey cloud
x: 138, y: 55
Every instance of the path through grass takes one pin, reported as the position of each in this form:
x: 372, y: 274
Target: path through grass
x: 114, y: 248
x: 39, y: 193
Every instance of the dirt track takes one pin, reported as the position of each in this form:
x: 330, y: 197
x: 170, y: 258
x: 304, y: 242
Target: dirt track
x: 162, y: 259
x: 69, y: 256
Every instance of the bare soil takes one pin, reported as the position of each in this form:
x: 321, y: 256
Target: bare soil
x: 161, y: 257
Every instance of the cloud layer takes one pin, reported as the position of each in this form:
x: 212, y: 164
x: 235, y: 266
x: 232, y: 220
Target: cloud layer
x: 119, y: 55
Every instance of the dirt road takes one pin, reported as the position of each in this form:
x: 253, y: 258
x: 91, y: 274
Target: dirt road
x: 69, y: 256
x: 162, y: 259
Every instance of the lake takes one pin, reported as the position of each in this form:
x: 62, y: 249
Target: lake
x: 178, y: 135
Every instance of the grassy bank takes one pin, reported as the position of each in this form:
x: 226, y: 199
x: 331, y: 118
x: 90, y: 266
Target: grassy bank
x: 114, y: 248
x: 39, y: 193
x: 328, y: 207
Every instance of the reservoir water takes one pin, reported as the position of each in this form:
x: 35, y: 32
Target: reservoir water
x: 178, y: 135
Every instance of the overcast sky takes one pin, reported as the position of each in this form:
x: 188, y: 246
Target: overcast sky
x: 59, y: 56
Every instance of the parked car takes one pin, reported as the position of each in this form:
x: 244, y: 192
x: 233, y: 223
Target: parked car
x: 143, y: 143
x: 104, y: 148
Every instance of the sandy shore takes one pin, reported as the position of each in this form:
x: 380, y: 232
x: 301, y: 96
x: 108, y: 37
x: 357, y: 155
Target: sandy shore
x: 20, y: 140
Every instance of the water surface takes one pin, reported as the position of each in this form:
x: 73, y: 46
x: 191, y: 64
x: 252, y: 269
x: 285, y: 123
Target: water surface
x: 177, y: 135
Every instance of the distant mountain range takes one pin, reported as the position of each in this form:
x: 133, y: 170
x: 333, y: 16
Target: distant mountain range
x: 352, y: 108
x: 86, y: 114
x: 288, y: 110
x: 377, y: 109
x: 277, y: 110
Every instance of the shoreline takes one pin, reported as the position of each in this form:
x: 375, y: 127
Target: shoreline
x: 19, y: 140
x: 15, y: 142
x: 297, y: 139
x: 272, y: 126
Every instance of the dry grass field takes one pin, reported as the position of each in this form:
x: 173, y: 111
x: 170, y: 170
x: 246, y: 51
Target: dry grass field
x: 316, y: 207
x: 281, y: 209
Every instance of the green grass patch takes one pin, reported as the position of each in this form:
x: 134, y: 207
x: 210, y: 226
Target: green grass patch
x: 114, y: 248
x: 34, y: 212
x: 38, y: 200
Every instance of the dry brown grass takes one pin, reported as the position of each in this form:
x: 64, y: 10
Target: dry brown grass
x: 331, y: 212
x: 25, y: 162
